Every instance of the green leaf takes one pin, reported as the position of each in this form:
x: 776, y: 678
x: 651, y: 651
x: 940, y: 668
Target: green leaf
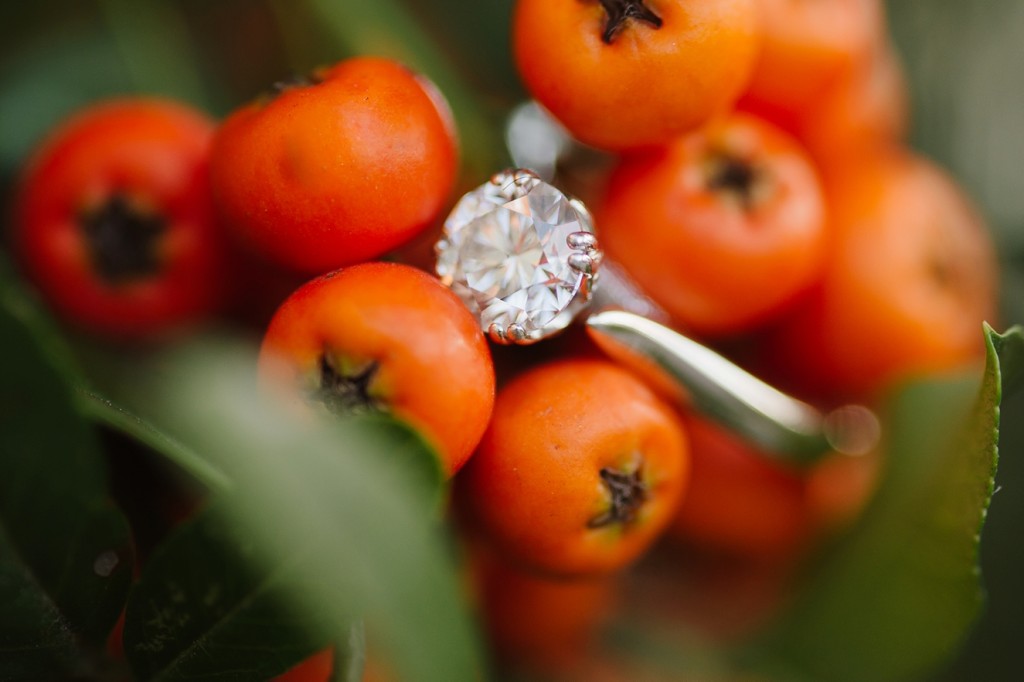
x: 348, y: 508
x: 208, y: 606
x: 153, y: 39
x: 105, y: 412
x: 897, y: 595
x: 1010, y: 349
x: 50, y: 77
x: 467, y: 30
x: 65, y: 555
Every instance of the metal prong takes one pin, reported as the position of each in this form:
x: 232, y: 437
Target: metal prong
x: 584, y: 241
x: 514, y: 182
x: 523, y: 175
x: 581, y: 262
x: 497, y: 334
x: 516, y: 333
x: 501, y: 178
x: 581, y: 208
x: 589, y: 283
x: 596, y: 255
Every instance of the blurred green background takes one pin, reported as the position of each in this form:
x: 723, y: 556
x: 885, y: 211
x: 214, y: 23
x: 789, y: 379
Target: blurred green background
x: 964, y: 61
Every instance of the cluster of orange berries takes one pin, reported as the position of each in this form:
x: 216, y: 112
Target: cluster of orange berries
x: 760, y: 195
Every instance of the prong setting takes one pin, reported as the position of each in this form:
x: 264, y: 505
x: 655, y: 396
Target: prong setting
x: 582, y: 210
x: 586, y: 260
x: 542, y: 247
x: 497, y: 334
x: 583, y: 241
x: 581, y: 263
x: 516, y: 333
x: 515, y: 183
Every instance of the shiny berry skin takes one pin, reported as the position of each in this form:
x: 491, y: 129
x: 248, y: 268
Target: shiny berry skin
x: 336, y: 169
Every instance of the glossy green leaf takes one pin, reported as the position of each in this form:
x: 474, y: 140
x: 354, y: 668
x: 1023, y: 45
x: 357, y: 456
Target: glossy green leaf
x: 897, y: 595
x: 65, y: 556
x: 1010, y: 349
x: 349, y: 510
x: 209, y: 606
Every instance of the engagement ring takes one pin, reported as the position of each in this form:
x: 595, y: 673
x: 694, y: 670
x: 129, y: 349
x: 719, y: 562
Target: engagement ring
x: 523, y: 257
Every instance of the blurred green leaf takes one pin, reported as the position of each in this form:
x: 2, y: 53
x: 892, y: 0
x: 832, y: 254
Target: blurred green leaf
x: 963, y: 66
x: 349, y: 507
x: 106, y: 413
x: 895, y: 597
x: 23, y: 305
x: 476, y: 36
x: 153, y: 40
x: 50, y: 77
x: 65, y: 553
x: 208, y: 606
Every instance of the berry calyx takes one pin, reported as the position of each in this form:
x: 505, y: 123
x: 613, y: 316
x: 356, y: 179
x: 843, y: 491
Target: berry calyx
x: 345, y: 390
x: 627, y: 492
x: 122, y: 240
x: 621, y: 11
x: 739, y: 180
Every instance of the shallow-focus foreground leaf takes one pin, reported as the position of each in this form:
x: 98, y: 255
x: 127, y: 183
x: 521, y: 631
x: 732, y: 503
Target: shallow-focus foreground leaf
x: 896, y: 596
x: 65, y: 557
x: 206, y: 606
x: 339, y: 522
x: 105, y: 412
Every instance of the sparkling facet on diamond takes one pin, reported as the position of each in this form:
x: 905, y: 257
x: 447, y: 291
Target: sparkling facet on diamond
x: 521, y: 255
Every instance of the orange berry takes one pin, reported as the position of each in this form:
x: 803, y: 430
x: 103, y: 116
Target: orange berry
x: 386, y: 337
x: 665, y: 68
x: 722, y: 228
x: 580, y: 470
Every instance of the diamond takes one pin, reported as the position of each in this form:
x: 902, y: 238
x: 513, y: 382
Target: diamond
x: 521, y: 255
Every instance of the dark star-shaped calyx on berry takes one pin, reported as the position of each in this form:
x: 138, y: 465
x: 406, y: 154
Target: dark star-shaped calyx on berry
x: 627, y: 491
x: 621, y: 11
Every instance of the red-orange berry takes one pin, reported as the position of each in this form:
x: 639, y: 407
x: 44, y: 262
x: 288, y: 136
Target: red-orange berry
x: 723, y: 227
x: 114, y: 221
x: 621, y: 74
x: 389, y: 338
x: 337, y: 169
x: 580, y: 470
x: 909, y: 278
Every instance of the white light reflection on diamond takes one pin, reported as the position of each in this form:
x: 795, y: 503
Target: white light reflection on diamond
x: 505, y: 254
